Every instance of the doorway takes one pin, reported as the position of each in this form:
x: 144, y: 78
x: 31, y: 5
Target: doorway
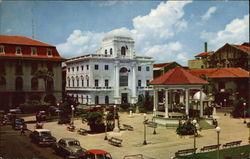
x: 124, y: 97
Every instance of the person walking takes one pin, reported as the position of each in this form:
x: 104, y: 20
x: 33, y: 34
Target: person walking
x: 22, y: 130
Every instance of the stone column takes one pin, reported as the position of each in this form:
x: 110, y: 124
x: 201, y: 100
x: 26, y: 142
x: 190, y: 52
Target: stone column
x: 166, y: 103
x: 117, y: 83
x: 155, y: 102
x: 201, y: 104
x: 187, y: 100
x: 133, y: 84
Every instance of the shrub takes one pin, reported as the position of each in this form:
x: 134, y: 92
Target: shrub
x: 186, y: 128
x: 238, y: 110
x: 34, y: 106
x: 125, y: 106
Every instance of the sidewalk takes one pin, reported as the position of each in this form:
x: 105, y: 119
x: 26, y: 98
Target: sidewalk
x: 163, y: 145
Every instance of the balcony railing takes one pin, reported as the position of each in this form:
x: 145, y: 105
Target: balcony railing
x: 89, y: 88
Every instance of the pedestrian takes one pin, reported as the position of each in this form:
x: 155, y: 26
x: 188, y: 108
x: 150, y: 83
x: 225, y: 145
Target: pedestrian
x: 22, y: 130
x: 215, y: 123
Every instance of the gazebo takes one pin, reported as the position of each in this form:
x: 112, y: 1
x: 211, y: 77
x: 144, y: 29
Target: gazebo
x: 177, y: 79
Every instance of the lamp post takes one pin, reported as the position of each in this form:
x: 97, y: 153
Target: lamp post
x: 116, y: 128
x: 154, y: 115
x: 244, y: 112
x: 72, y: 108
x: 194, y: 123
x: 217, y: 129
x: 225, y: 102
x: 144, y: 142
x: 58, y: 110
x: 106, y: 113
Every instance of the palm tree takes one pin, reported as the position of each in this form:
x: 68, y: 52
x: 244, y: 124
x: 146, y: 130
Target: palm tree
x: 46, y: 75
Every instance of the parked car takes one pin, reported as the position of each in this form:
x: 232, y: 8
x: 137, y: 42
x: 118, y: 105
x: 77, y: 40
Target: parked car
x: 41, y: 116
x: 42, y: 137
x: 69, y: 148
x: 97, y: 154
x: 17, y: 123
x: 15, y: 111
x: 8, y: 119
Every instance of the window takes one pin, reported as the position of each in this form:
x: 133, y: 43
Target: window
x: 68, y: 82
x: 34, y: 68
x: 73, y: 82
x: 87, y: 82
x: 68, y: 69
x: 139, y: 68
x: 1, y: 49
x: 96, y: 67
x: 82, y: 82
x: 77, y: 82
x: 19, y: 69
x: 106, y: 99
x: 2, y: 83
x: 96, y: 99
x: 106, y: 52
x: 19, y: 83
x: 72, y: 69
x: 2, y: 68
x: 33, y: 51
x: 34, y: 83
x: 106, y: 83
x: 49, y: 52
x: 147, y: 68
x: 96, y: 83
x: 50, y: 84
x: 77, y: 68
x: 18, y: 50
x: 87, y: 67
x: 139, y: 83
x: 106, y: 67
x: 123, y: 77
x: 82, y: 68
x: 111, y: 51
x: 50, y: 67
x: 123, y: 51
x: 147, y: 82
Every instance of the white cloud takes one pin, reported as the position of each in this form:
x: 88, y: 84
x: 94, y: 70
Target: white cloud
x: 237, y: 31
x: 7, y: 30
x: 209, y: 13
x: 149, y: 32
x: 79, y: 43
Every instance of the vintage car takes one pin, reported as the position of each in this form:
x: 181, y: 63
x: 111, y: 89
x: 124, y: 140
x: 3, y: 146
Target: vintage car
x: 41, y: 116
x: 42, y: 137
x: 69, y: 148
x: 97, y: 154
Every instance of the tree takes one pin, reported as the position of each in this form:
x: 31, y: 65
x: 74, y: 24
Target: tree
x: 46, y: 75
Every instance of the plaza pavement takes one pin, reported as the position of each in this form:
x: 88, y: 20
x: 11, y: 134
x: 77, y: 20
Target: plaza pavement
x: 163, y: 145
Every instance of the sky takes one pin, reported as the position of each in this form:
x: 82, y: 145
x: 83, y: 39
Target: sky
x: 165, y: 30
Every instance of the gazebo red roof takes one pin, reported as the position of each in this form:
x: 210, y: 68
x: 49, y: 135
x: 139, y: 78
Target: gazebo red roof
x: 177, y: 76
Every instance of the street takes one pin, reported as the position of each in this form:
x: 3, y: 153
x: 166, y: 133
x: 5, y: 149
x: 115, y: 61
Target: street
x: 14, y: 146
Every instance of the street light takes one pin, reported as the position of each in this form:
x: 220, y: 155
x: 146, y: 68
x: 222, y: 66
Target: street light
x: 72, y: 107
x: 106, y: 113
x: 144, y: 142
x: 244, y: 112
x: 116, y: 128
x: 225, y: 102
x: 58, y: 110
x: 217, y: 129
x: 194, y: 123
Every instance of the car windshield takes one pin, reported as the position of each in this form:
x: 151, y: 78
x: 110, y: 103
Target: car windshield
x: 103, y: 156
x: 74, y: 143
x: 45, y: 133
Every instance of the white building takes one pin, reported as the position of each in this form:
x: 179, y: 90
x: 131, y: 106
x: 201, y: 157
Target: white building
x: 113, y: 75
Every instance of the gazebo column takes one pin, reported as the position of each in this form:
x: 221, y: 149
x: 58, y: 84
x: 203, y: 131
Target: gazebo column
x: 187, y: 102
x: 155, y: 102
x: 201, y: 104
x: 166, y: 103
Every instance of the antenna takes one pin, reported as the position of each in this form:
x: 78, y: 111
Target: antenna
x: 33, y: 25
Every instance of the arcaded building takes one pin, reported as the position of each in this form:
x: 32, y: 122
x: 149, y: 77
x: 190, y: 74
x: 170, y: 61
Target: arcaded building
x: 20, y: 58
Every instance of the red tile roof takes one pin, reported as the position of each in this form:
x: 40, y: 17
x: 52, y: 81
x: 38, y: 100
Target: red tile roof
x: 162, y: 64
x: 244, y: 48
x: 177, y: 76
x: 21, y: 40
x: 221, y: 72
x: 10, y: 43
x: 203, y: 54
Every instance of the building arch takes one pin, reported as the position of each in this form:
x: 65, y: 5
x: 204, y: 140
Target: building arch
x: 123, y: 76
x: 34, y: 83
x: 123, y: 51
x: 50, y: 84
x: 19, y: 83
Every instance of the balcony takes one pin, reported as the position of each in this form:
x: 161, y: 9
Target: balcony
x: 145, y: 88
x: 89, y: 88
